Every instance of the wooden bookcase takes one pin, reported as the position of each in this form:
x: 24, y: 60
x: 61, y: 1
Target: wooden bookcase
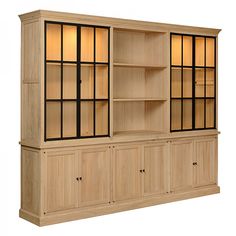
x: 115, y: 115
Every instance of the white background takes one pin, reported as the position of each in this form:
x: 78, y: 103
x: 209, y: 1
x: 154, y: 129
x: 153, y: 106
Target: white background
x: 211, y: 215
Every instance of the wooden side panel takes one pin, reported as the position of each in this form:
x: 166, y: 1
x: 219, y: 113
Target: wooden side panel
x: 61, y: 184
x: 94, y: 166
x: 205, y: 170
x: 30, y: 80
x: 30, y: 181
x: 126, y: 173
x: 156, y: 169
x: 181, y: 165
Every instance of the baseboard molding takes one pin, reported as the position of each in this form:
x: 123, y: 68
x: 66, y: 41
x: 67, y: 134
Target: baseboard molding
x: 81, y: 213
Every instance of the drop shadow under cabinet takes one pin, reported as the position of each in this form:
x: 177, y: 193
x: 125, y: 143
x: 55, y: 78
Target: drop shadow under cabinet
x: 115, y: 115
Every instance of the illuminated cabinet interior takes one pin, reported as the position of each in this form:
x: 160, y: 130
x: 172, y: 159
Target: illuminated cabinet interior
x: 115, y: 115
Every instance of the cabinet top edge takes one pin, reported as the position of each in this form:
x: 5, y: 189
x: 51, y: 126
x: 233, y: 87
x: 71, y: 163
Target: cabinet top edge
x: 113, y: 22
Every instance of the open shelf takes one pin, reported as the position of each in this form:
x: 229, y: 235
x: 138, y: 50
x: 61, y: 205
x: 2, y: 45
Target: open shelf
x: 135, y: 65
x: 140, y: 48
x: 140, y: 115
x: 138, y: 99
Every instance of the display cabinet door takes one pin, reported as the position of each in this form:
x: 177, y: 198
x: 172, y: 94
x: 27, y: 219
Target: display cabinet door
x: 94, y: 176
x: 156, y: 169
x: 205, y: 159
x: 61, y: 185
x: 126, y: 172
x: 181, y: 165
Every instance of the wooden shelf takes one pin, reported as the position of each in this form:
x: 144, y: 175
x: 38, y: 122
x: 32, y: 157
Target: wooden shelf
x: 138, y: 133
x: 148, y: 66
x: 138, y: 99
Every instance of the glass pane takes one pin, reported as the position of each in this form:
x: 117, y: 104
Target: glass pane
x: 53, y: 78
x: 69, y: 81
x: 87, y: 44
x: 210, y: 109
x: 187, y: 114
x: 101, y: 45
x: 69, y: 43
x: 69, y: 119
x: 176, y: 82
x: 101, y: 81
x: 53, y: 120
x: 102, y: 118
x: 199, y: 51
x: 210, y: 84
x: 187, y: 51
x: 175, y: 114
x: 187, y: 82
x: 176, y: 49
x: 53, y: 42
x: 199, y: 113
x: 210, y: 52
x: 87, y: 81
x: 86, y: 127
x: 199, y: 82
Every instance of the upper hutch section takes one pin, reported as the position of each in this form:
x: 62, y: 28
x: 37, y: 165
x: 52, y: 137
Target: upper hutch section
x: 113, y: 79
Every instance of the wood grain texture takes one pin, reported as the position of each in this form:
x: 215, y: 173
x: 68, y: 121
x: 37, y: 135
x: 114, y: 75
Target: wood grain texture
x: 94, y: 168
x: 126, y: 174
x: 30, y: 181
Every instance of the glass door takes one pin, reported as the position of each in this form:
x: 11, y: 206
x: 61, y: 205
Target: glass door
x: 76, y: 81
x: 193, y: 68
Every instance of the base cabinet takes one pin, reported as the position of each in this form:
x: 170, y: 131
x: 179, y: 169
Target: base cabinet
x: 90, y: 180
x: 181, y: 165
x: 60, y: 181
x: 126, y: 172
x: 94, y: 176
x: 156, y: 169
x: 77, y: 178
x: 193, y: 163
x: 205, y: 162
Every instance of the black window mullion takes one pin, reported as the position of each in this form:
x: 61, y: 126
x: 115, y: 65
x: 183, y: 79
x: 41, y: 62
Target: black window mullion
x: 78, y: 83
x: 215, y: 83
x: 182, y: 82
x: 193, y: 84
x: 108, y: 81
x: 94, y: 81
x: 205, y: 82
x: 61, y: 80
x: 45, y: 80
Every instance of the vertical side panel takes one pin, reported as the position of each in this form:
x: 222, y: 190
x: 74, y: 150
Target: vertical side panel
x: 30, y: 83
x: 30, y: 180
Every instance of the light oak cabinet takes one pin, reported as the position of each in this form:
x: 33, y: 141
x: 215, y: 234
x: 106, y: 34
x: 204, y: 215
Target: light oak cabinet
x: 126, y: 172
x: 77, y: 179
x: 94, y: 176
x: 181, y: 165
x: 193, y: 163
x: 61, y: 185
x: 156, y: 169
x: 205, y: 162
x: 115, y: 115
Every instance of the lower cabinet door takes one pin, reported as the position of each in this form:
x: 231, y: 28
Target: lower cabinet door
x: 181, y: 165
x: 156, y: 169
x: 60, y: 181
x: 94, y: 176
x: 126, y: 172
x: 205, y: 160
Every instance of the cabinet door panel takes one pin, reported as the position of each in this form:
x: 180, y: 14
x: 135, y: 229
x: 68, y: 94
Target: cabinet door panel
x: 205, y: 172
x: 181, y: 165
x: 94, y: 165
x: 126, y: 173
x: 156, y: 169
x: 61, y: 184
